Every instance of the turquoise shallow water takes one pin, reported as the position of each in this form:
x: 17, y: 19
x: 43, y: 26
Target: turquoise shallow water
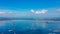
x: 29, y: 27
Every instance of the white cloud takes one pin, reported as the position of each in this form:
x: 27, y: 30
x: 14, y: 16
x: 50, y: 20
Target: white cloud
x: 32, y: 10
x: 14, y: 13
x: 2, y: 12
x: 43, y: 11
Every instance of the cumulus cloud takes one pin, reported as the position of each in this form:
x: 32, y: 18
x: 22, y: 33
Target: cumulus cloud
x: 43, y: 11
x: 32, y: 10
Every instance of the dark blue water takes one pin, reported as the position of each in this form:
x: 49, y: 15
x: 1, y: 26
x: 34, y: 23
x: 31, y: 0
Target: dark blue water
x: 29, y: 27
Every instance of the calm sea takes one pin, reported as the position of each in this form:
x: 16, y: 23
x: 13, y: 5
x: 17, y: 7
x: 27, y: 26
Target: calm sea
x: 29, y: 27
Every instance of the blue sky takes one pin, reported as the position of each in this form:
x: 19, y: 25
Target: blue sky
x: 29, y: 4
x: 23, y: 7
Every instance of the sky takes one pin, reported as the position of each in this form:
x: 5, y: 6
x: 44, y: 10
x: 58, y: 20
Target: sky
x: 30, y: 8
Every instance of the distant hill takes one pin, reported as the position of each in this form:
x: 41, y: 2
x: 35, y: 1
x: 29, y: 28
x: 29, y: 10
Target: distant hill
x: 3, y: 18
